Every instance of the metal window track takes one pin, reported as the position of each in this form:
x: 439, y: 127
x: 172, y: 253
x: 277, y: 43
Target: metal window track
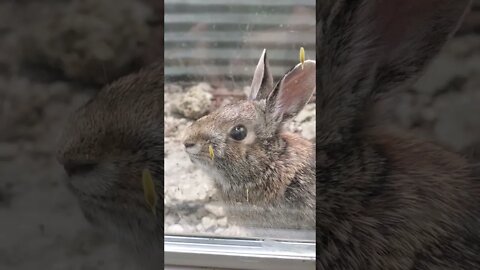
x: 243, y: 2
x: 237, y: 253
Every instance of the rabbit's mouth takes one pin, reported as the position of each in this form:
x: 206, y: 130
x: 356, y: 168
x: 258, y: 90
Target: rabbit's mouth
x: 199, y: 153
x: 200, y: 159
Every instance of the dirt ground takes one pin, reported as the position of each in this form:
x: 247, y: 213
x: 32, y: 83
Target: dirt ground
x: 51, y: 62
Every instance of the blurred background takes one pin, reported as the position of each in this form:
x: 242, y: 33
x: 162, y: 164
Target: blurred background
x: 55, y: 54
x: 444, y: 105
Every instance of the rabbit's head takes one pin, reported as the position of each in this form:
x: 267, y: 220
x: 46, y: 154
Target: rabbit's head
x: 236, y: 141
x: 105, y: 146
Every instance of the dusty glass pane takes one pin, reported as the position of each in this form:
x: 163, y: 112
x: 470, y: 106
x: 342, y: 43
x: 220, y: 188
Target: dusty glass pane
x: 211, y: 51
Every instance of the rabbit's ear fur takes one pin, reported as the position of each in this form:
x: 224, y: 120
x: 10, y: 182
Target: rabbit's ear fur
x: 262, y: 82
x: 370, y: 47
x: 292, y: 92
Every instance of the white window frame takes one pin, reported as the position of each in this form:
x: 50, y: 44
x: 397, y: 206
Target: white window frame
x: 191, y: 252
x: 239, y: 253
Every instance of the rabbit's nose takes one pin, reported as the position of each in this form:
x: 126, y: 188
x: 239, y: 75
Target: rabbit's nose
x: 75, y: 168
x: 189, y: 144
x: 191, y: 147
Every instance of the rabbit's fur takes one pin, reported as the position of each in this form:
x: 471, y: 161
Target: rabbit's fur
x: 105, y: 146
x: 267, y: 179
x: 386, y: 200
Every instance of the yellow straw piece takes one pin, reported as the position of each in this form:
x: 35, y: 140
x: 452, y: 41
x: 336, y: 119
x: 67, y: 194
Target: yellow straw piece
x: 210, y: 151
x: 302, y: 56
x: 149, y: 190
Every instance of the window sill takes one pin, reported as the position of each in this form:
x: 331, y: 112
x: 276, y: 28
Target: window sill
x: 238, y: 253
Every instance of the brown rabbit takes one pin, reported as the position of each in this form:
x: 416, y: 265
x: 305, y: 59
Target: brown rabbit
x: 105, y: 146
x: 266, y: 176
x: 384, y: 200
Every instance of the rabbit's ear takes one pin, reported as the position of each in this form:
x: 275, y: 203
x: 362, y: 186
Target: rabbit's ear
x: 391, y: 40
x: 369, y: 47
x: 292, y: 93
x: 409, y: 33
x: 262, y: 82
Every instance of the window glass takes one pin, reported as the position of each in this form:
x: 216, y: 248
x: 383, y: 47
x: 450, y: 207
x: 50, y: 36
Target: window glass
x: 212, y: 48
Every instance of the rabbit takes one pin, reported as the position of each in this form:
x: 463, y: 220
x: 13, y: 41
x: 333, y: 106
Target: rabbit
x: 104, y: 148
x: 386, y: 199
x: 265, y: 176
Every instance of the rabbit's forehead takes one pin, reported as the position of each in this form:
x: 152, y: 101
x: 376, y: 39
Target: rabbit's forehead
x: 225, y: 117
x: 236, y: 111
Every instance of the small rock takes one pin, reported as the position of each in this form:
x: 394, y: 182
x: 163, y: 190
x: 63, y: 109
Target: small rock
x: 201, y: 212
x: 307, y: 114
x: 196, y: 102
x: 167, y: 200
x: 219, y: 231
x: 222, y: 222
x: 190, y: 229
x: 184, y: 222
x: 208, y: 223
x: 182, y: 121
x: 203, y: 86
x: 192, y: 219
x: 173, y: 88
x: 169, y: 220
x: 175, y: 229
x: 291, y: 126
x: 216, y: 210
x: 309, y: 130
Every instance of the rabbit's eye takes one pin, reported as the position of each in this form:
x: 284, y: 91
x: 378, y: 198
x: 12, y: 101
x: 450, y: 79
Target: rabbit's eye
x: 238, y: 132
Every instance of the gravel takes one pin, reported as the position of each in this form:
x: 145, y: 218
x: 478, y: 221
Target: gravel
x: 195, y: 103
